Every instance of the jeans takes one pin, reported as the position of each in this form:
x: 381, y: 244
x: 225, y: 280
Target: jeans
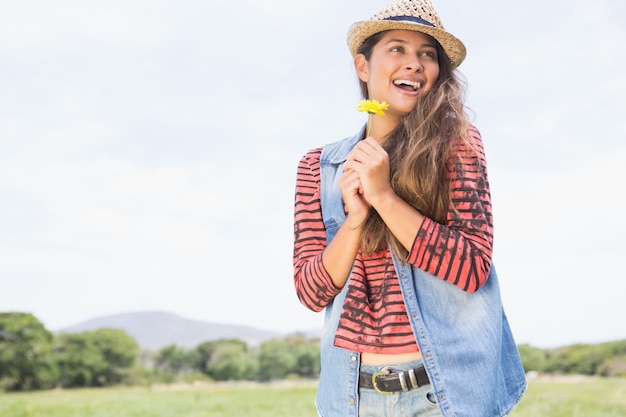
x: 417, y: 402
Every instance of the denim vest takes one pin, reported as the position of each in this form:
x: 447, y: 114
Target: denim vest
x: 465, y: 340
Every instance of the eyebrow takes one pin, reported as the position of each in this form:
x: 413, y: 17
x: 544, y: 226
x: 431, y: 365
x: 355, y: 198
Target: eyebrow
x: 405, y: 42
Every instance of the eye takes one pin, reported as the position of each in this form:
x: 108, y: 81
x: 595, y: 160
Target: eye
x: 429, y: 54
x: 396, y: 49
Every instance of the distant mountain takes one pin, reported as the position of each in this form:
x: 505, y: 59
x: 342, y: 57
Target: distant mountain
x: 153, y: 330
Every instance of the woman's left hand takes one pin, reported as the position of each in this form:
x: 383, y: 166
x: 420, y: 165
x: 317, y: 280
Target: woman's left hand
x: 371, y: 162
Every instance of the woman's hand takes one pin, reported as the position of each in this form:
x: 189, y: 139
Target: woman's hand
x: 355, y: 205
x: 370, y: 162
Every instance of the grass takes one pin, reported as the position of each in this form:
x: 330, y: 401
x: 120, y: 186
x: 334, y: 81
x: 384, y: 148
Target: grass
x: 569, y: 397
x: 574, y: 397
x: 214, y: 401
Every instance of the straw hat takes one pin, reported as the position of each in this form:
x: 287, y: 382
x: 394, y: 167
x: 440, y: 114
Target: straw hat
x: 417, y: 15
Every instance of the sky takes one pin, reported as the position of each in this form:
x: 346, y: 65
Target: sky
x: 148, y: 152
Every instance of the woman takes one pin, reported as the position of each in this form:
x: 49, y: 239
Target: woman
x: 394, y: 236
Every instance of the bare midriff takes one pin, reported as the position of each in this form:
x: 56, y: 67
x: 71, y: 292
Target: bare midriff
x: 384, y: 359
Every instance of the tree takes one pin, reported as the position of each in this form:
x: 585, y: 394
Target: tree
x: 226, y: 359
x: 533, y: 359
x: 308, y: 361
x: 231, y: 361
x: 175, y: 360
x: 276, y: 359
x: 581, y: 359
x: 79, y: 360
x: 97, y: 358
x: 26, y: 353
x: 119, y: 351
x: 614, y: 367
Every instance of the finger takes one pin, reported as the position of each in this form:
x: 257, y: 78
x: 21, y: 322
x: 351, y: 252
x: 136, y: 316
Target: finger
x: 349, y: 180
x: 355, y: 154
x: 372, y: 146
x: 352, y: 166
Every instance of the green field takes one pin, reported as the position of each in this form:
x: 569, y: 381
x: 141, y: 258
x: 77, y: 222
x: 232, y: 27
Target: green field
x: 546, y: 398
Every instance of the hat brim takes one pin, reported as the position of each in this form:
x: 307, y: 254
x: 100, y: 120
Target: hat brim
x: 360, y: 31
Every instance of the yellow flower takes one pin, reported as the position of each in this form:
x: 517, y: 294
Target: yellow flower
x: 372, y: 107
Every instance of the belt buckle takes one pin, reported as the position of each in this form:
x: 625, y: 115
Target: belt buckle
x: 375, y: 375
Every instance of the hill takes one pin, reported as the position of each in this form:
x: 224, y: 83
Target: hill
x: 155, y: 329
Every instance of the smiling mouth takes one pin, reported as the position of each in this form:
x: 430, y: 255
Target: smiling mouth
x: 408, y: 85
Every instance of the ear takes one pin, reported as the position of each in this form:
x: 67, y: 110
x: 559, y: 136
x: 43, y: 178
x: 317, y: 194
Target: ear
x: 361, y: 66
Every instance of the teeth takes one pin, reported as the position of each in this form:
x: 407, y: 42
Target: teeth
x: 415, y: 84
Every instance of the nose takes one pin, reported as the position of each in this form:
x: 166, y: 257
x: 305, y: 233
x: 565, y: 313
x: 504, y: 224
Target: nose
x: 414, y: 64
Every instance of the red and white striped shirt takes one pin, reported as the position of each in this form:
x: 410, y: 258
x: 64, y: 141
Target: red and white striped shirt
x: 374, y: 317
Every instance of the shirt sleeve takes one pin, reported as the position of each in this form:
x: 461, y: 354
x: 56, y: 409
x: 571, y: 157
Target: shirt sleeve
x: 459, y: 252
x: 313, y: 284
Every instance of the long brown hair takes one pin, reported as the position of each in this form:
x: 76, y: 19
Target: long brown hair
x: 419, y: 151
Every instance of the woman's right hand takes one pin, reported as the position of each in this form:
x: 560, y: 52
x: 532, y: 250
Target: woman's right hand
x: 338, y: 257
x: 355, y: 205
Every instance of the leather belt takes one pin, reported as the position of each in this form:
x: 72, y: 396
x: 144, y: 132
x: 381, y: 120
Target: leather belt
x: 391, y: 380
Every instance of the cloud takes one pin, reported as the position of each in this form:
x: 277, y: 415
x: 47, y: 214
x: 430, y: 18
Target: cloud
x: 149, y: 153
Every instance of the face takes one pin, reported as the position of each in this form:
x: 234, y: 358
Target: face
x: 402, y: 66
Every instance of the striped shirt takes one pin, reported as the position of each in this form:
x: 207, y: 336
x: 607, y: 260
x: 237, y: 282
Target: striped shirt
x: 374, y: 317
